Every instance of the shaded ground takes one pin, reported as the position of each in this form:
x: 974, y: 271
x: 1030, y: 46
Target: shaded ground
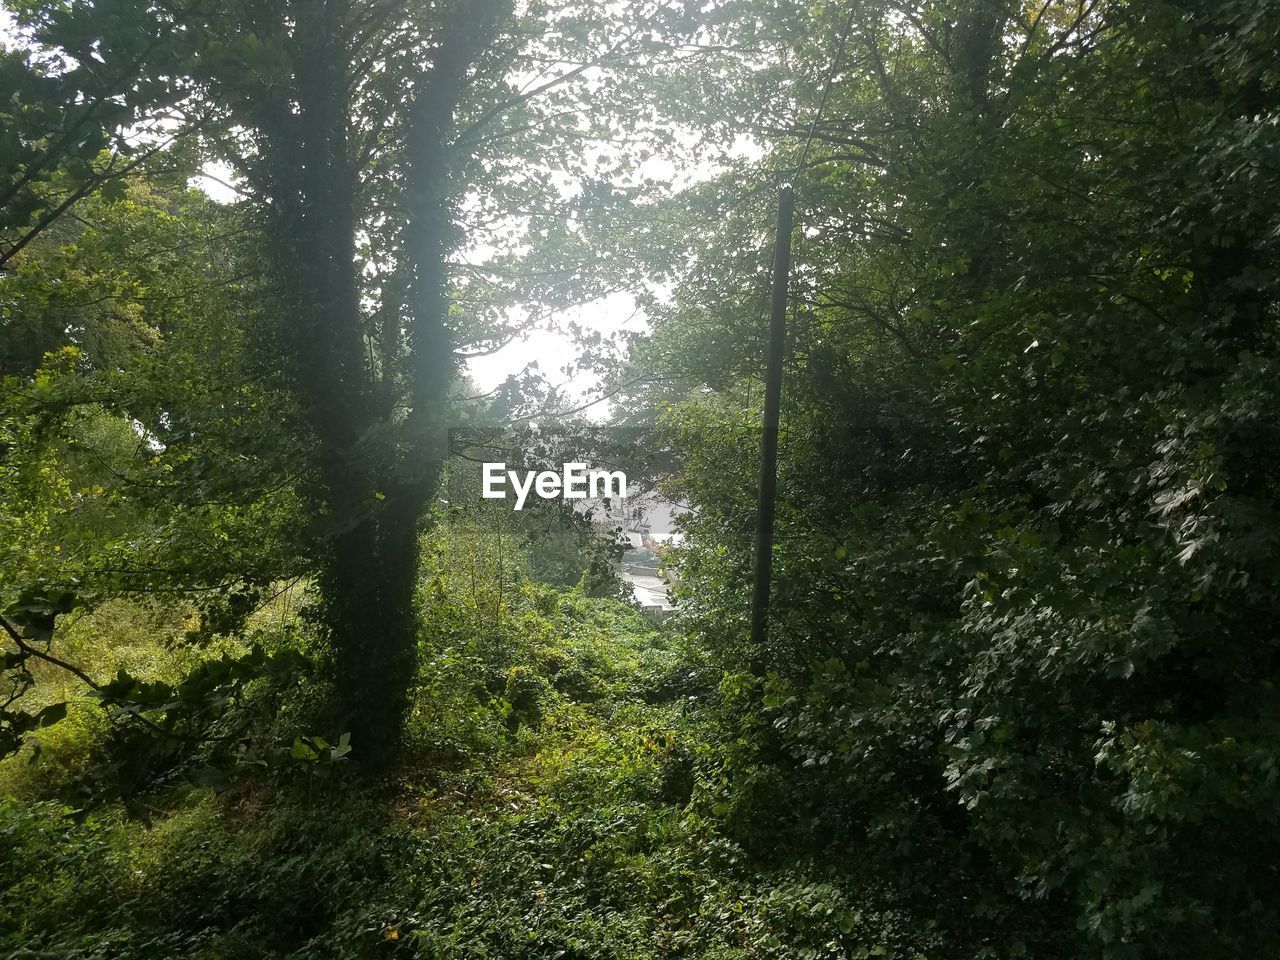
x: 594, y: 828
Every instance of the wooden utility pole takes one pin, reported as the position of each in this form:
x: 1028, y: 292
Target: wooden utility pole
x: 769, y: 436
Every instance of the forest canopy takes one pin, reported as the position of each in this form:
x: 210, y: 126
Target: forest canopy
x: 279, y: 681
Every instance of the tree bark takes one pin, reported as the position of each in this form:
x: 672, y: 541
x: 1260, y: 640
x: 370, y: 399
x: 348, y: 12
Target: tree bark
x: 366, y: 560
x: 373, y: 493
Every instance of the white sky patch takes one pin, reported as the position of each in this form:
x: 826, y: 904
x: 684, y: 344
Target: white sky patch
x: 8, y: 29
x: 218, y: 181
x: 551, y: 351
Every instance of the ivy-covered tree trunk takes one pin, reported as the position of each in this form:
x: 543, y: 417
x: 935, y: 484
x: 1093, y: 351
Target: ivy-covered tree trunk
x: 366, y: 605
x: 377, y: 465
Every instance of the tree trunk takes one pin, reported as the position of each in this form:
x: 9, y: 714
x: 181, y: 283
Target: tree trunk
x: 371, y: 491
x: 367, y: 560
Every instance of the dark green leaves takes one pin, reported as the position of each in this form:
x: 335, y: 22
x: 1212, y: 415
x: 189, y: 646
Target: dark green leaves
x: 37, y: 609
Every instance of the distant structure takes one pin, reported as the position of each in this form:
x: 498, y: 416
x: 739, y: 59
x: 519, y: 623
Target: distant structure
x: 646, y: 523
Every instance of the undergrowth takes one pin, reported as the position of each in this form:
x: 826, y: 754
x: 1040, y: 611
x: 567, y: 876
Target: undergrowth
x: 562, y: 797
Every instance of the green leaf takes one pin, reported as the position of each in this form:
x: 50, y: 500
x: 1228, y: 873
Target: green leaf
x: 51, y: 714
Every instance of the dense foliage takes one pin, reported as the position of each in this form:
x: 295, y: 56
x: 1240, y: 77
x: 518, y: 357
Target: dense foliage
x: 278, y: 683
x: 1024, y: 638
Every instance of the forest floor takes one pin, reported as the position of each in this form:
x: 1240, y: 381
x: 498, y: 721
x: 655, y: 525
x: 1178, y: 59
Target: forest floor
x: 584, y: 813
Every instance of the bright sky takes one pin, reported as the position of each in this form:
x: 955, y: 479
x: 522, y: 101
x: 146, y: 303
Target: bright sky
x: 551, y: 350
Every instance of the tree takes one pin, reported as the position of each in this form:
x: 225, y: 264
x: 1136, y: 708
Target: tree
x: 358, y: 129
